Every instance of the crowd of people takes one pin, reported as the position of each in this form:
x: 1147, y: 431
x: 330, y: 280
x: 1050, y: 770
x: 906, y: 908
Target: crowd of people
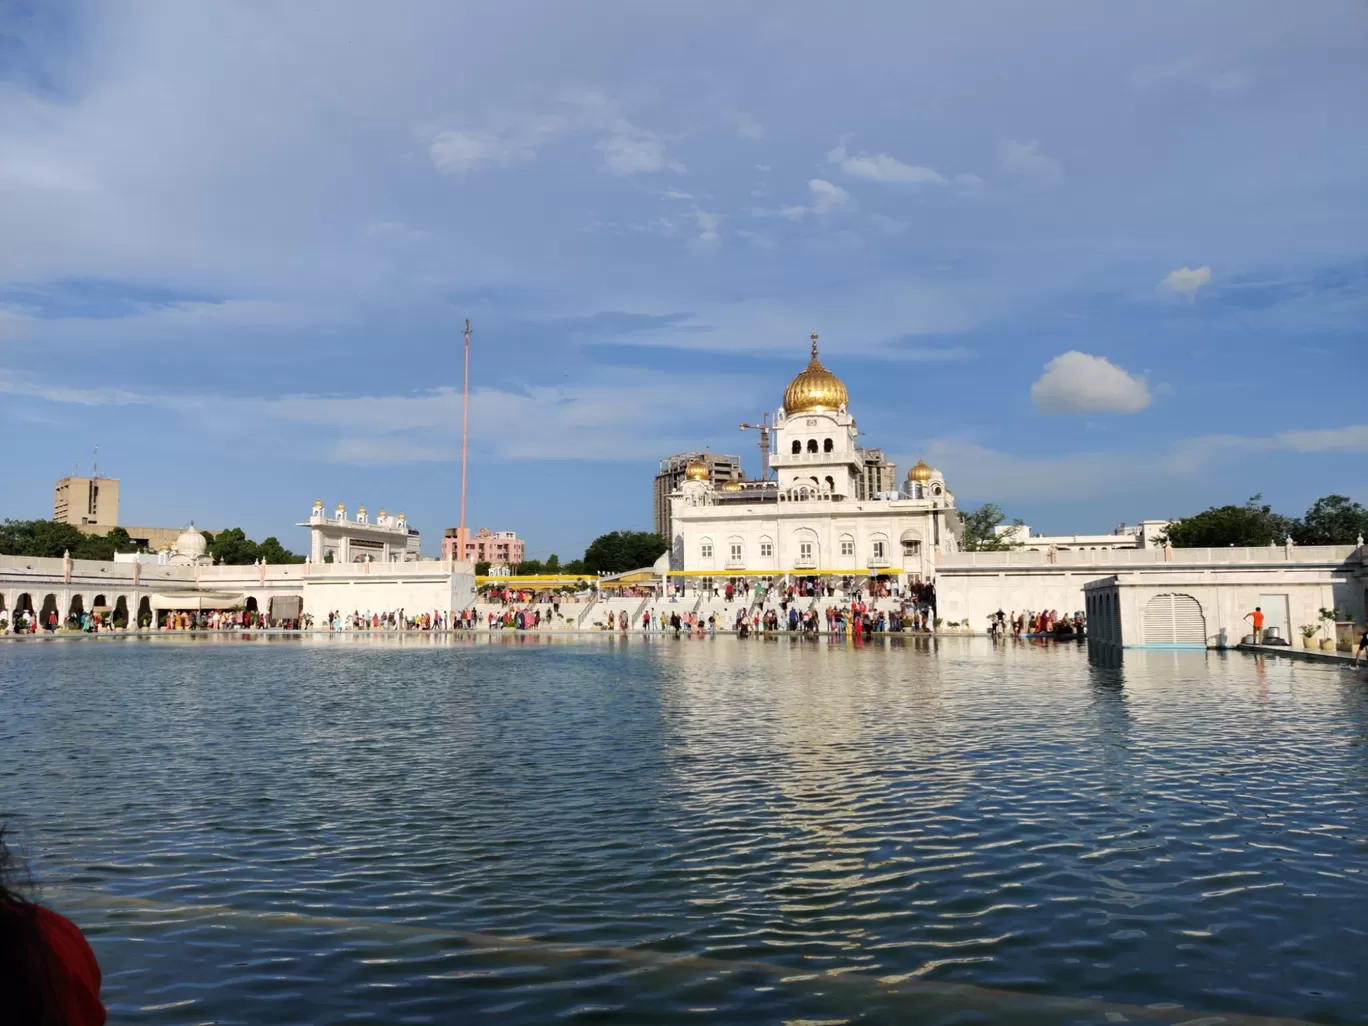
x: 1037, y: 623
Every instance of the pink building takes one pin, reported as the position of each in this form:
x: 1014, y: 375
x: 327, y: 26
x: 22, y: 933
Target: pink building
x: 500, y: 548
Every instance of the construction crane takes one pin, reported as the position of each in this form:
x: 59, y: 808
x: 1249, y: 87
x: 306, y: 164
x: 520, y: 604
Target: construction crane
x: 764, y: 428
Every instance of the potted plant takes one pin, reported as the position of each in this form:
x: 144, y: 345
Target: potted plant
x: 1308, y: 633
x: 1328, y: 618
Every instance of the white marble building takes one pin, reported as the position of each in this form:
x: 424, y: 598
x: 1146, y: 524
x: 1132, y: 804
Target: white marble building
x: 812, y: 519
x: 389, y: 539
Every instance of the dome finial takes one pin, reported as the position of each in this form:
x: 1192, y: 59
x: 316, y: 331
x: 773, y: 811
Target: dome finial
x: 814, y: 343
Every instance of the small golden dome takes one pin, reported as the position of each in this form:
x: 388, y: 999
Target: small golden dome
x: 697, y: 470
x: 921, y: 472
x: 362, y: 510
x: 318, y: 503
x: 732, y: 486
x: 815, y: 389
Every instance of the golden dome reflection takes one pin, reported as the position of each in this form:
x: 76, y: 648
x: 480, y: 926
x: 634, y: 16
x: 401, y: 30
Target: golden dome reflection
x: 815, y: 389
x: 697, y: 470
x: 921, y: 472
x: 732, y: 486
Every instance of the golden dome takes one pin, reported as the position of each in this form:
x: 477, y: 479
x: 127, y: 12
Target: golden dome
x: 921, y: 472
x: 697, y: 470
x: 732, y: 486
x: 815, y: 388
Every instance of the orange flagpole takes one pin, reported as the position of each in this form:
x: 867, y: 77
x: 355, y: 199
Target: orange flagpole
x: 465, y: 434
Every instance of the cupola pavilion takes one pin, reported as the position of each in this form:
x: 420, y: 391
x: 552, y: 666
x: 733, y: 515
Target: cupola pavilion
x: 827, y: 507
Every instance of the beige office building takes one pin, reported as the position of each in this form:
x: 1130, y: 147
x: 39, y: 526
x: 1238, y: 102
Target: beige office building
x: 87, y: 503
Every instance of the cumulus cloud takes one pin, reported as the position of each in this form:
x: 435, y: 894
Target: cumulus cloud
x: 1187, y: 280
x: 827, y: 198
x: 1024, y: 160
x: 880, y: 167
x: 1076, y: 382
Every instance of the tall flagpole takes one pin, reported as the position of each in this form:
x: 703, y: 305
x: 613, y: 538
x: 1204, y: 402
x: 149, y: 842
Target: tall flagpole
x: 465, y: 434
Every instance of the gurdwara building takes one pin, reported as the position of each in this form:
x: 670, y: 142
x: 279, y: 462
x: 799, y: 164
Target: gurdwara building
x: 816, y: 515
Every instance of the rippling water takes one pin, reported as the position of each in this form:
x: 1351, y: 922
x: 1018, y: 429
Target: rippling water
x: 710, y: 830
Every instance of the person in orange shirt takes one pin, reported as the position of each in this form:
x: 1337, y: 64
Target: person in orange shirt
x: 1256, y: 618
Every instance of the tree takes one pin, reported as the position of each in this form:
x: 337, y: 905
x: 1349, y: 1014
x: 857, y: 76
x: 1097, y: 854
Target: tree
x: 1252, y: 524
x: 233, y: 548
x: 482, y: 569
x: 979, y: 534
x: 529, y: 567
x: 552, y: 565
x: 273, y: 552
x: 48, y: 538
x: 619, y: 551
x: 1332, y: 520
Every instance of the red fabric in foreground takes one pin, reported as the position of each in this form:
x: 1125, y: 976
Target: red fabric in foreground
x: 75, y: 972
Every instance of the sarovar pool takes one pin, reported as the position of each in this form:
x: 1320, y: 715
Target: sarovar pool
x: 416, y: 829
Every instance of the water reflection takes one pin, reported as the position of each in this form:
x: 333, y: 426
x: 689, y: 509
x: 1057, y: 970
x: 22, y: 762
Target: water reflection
x: 778, y: 829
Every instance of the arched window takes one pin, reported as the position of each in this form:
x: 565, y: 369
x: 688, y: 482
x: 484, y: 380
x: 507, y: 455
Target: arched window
x: 705, y: 548
x: 831, y: 483
x: 812, y: 445
x: 828, y: 445
x: 797, y: 447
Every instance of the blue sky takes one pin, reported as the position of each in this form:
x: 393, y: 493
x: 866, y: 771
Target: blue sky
x: 1096, y: 262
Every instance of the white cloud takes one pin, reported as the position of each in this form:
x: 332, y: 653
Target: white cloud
x: 1187, y: 280
x: 1190, y: 70
x: 1025, y: 161
x: 747, y: 126
x: 617, y: 417
x: 827, y: 198
x: 462, y: 150
x: 635, y: 152
x: 1345, y: 439
x: 880, y: 167
x: 707, y: 225
x: 1076, y: 382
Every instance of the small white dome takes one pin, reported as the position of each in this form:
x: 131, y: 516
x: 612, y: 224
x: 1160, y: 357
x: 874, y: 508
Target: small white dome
x: 191, y: 543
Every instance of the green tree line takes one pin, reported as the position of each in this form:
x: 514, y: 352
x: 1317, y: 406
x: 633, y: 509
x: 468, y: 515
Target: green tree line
x: 48, y: 538
x: 612, y: 553
x: 1331, y: 520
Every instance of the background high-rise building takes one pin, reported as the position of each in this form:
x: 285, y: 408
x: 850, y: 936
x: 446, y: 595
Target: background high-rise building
x: 670, y: 476
x: 876, y: 474
x: 87, y: 502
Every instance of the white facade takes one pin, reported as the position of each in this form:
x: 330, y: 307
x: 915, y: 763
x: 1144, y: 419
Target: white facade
x: 388, y: 539
x: 808, y: 520
x: 137, y: 589
x: 1291, y: 583
x: 1143, y: 535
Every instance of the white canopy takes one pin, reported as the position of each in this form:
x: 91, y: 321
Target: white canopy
x: 196, y: 600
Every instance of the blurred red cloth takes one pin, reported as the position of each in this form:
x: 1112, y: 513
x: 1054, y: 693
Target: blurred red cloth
x: 76, y: 974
